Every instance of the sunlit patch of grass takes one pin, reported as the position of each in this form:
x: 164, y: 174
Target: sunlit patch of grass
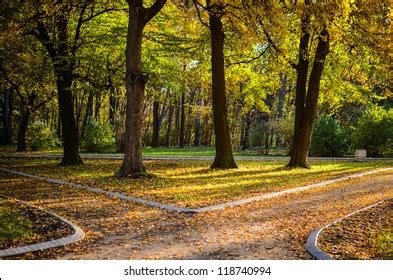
x: 12, y: 224
x: 192, y: 183
x: 382, y: 244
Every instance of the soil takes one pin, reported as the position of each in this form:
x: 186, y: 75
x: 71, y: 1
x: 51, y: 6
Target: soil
x: 352, y: 237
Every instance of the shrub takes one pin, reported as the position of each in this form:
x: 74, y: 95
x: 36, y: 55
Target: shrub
x: 374, y: 132
x: 40, y: 136
x: 98, y: 137
x: 329, y: 139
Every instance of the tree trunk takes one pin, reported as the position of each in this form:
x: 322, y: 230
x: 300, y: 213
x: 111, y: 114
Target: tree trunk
x: 182, y: 121
x: 112, y: 108
x: 198, y: 126
x: 24, y: 122
x: 138, y: 17
x: 224, y: 154
x: 306, y: 105
x: 7, y: 117
x: 169, y: 127
x: 70, y: 135
x: 189, y: 119
x: 245, y: 143
x: 155, y: 143
x: 89, y: 112
x: 97, y: 106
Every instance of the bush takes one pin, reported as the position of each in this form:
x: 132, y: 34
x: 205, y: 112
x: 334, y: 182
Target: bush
x: 329, y: 139
x: 40, y: 136
x: 98, y: 137
x: 374, y: 132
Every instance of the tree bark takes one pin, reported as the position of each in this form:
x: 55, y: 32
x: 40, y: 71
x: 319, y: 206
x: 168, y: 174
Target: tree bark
x: 169, y: 127
x: 224, y: 155
x: 88, y: 113
x: 7, y: 117
x: 156, y: 125
x: 24, y: 122
x: 198, y: 125
x: 135, y: 86
x: 182, y: 121
x: 306, y: 104
x: 70, y: 135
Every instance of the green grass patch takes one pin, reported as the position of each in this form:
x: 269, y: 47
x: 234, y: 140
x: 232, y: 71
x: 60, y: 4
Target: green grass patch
x: 382, y: 244
x: 193, y: 183
x: 12, y: 224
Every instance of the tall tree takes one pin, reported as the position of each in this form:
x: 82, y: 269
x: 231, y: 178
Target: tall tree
x: 224, y: 154
x: 59, y: 26
x: 139, y: 16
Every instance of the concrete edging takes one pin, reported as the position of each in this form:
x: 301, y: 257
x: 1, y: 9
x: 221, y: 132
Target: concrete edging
x: 312, y: 240
x: 78, y: 235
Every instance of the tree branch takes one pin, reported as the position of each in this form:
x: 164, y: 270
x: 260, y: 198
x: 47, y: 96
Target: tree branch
x: 154, y: 9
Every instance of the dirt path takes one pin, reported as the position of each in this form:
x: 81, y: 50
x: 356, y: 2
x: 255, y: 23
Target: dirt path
x: 271, y: 229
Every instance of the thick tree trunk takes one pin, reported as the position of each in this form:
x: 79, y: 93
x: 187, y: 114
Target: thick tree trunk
x: 306, y: 105
x: 156, y: 125
x: 70, y: 135
x: 7, y: 117
x: 24, y: 122
x: 135, y: 85
x: 182, y: 121
x: 224, y: 154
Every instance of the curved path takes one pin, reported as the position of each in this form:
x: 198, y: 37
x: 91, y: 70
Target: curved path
x: 275, y: 228
x: 78, y: 235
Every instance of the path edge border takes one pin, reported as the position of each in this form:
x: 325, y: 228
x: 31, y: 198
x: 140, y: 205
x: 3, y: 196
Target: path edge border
x: 312, y: 240
x: 78, y: 235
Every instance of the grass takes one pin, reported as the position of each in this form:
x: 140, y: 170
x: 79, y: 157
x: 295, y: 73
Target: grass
x: 382, y: 244
x: 192, y: 183
x: 149, y: 151
x: 12, y: 224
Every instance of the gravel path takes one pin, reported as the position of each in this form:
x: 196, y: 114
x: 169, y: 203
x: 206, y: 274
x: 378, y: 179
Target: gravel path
x: 272, y: 229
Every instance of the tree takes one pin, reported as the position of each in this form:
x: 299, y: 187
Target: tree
x: 60, y: 27
x: 139, y: 16
x: 318, y: 23
x: 26, y: 72
x: 224, y: 154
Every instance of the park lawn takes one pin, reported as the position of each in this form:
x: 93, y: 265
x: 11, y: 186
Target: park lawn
x: 149, y: 151
x: 13, y: 225
x: 192, y: 183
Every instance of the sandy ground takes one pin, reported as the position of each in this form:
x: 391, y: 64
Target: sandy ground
x: 272, y: 229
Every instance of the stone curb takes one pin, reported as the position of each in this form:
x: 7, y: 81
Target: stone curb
x: 184, y: 210
x: 78, y: 235
x: 312, y: 240
x: 199, y: 158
